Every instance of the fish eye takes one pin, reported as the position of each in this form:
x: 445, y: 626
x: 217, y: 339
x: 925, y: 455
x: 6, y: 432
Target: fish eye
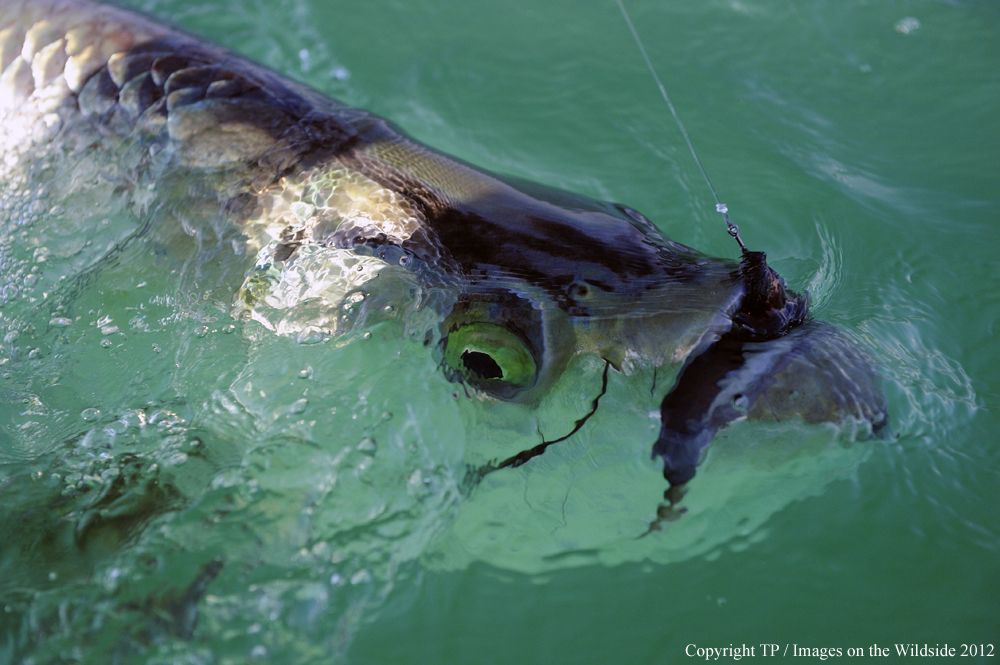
x: 579, y: 290
x: 491, y: 357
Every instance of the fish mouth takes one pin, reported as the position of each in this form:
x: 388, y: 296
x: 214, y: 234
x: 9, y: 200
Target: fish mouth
x: 493, y: 341
x: 496, y: 359
x: 773, y: 365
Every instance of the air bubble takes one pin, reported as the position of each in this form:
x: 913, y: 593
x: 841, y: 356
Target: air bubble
x: 303, y: 211
x: 907, y: 25
x: 201, y: 331
x: 741, y: 403
x: 299, y: 405
x: 90, y: 415
x: 310, y: 335
x: 229, y: 330
x: 105, y: 343
x: 306, y: 373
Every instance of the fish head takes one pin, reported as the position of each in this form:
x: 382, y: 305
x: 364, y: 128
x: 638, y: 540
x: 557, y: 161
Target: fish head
x: 543, y: 283
x: 524, y: 279
x: 548, y: 277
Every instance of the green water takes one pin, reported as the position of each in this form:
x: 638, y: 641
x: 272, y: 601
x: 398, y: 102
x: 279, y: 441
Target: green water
x: 855, y: 145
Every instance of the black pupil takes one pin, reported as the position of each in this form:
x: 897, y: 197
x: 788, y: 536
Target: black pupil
x: 482, y: 365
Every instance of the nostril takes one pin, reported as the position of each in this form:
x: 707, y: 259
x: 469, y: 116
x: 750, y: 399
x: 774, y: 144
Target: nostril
x: 482, y: 365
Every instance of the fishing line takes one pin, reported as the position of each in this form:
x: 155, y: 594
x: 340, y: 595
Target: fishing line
x: 721, y: 207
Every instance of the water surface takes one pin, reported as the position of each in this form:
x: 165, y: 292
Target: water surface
x: 855, y: 142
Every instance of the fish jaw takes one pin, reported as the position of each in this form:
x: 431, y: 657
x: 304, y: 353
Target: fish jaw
x: 814, y: 374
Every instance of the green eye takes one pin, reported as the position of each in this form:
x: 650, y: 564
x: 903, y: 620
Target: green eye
x: 485, y: 353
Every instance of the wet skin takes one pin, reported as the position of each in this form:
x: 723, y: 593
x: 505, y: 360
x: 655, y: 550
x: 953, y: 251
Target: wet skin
x: 534, y: 276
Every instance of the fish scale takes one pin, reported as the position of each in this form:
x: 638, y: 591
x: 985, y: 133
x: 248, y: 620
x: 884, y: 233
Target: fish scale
x: 328, y: 197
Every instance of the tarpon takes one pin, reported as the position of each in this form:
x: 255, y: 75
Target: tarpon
x: 529, y: 277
